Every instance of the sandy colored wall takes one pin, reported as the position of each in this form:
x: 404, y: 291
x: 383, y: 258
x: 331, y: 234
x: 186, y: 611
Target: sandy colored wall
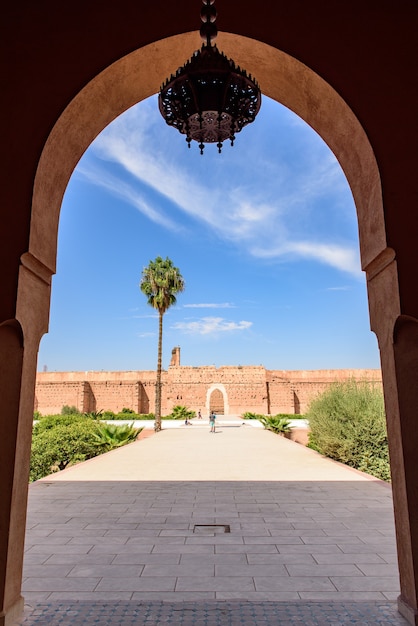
x: 243, y: 388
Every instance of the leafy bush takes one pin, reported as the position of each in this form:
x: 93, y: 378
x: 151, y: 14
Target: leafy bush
x: 60, y: 441
x: 69, y: 410
x: 291, y: 416
x: 63, y: 440
x: 95, y: 415
x: 252, y: 416
x: 375, y: 465
x: 47, y: 422
x: 348, y: 424
x: 257, y: 416
x: 275, y: 423
x: 180, y: 413
x: 128, y: 411
x: 109, y: 436
x: 110, y: 415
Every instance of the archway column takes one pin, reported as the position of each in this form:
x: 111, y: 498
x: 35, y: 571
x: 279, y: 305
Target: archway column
x: 19, y: 342
x: 398, y: 343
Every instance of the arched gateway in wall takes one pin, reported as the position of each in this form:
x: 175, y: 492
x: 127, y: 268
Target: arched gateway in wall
x: 217, y: 400
x: 123, y: 60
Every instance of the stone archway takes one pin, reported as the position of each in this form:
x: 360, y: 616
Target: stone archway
x: 281, y: 77
x: 288, y: 81
x: 217, y: 400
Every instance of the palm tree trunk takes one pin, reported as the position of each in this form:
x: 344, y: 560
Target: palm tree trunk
x: 158, y: 381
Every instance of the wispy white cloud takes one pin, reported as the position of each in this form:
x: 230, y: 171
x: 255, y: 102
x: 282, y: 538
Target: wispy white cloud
x: 346, y: 259
x: 127, y: 193
x: 145, y: 335
x: 127, y: 142
x: 339, y: 257
x: 338, y: 289
x: 212, y: 305
x: 211, y: 326
x: 264, y: 209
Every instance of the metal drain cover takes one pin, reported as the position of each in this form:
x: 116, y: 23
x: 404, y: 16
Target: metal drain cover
x: 211, y: 529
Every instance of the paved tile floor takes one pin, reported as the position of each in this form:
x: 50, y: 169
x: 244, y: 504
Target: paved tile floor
x: 187, y: 527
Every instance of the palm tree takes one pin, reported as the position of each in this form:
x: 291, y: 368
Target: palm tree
x: 160, y: 282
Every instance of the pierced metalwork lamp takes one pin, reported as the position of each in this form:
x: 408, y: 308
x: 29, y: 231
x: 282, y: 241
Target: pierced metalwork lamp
x: 209, y: 99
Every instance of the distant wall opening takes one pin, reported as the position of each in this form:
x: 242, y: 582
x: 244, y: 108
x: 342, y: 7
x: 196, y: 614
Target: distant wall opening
x: 217, y: 402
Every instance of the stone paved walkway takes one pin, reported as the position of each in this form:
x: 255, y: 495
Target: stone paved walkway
x: 207, y: 613
x: 185, y: 527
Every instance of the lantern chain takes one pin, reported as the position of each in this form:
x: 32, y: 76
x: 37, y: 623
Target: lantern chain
x: 208, y: 14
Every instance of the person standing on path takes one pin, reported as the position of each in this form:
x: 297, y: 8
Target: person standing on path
x: 199, y: 415
x: 212, y: 419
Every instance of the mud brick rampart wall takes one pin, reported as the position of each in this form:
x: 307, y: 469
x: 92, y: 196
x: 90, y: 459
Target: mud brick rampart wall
x: 229, y: 390
x: 296, y: 388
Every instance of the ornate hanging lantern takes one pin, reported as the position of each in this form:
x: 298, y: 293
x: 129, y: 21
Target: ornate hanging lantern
x: 209, y: 99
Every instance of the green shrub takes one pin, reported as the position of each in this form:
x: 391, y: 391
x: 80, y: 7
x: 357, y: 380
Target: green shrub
x: 63, y: 440
x: 59, y: 441
x: 375, y: 465
x: 69, y: 410
x: 180, y: 413
x: 257, y: 416
x: 252, y: 416
x: 110, y: 415
x: 109, y: 436
x: 95, y: 415
x: 275, y: 423
x: 128, y: 411
x: 348, y: 424
x: 291, y: 416
x: 47, y: 422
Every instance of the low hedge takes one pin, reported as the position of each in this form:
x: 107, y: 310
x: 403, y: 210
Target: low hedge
x: 124, y: 415
x: 289, y: 416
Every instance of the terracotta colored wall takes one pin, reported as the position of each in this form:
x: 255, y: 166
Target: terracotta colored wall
x: 52, y: 396
x: 295, y: 389
x: 244, y: 388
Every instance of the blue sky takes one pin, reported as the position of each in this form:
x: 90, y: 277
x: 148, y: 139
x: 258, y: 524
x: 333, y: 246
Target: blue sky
x: 265, y: 236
